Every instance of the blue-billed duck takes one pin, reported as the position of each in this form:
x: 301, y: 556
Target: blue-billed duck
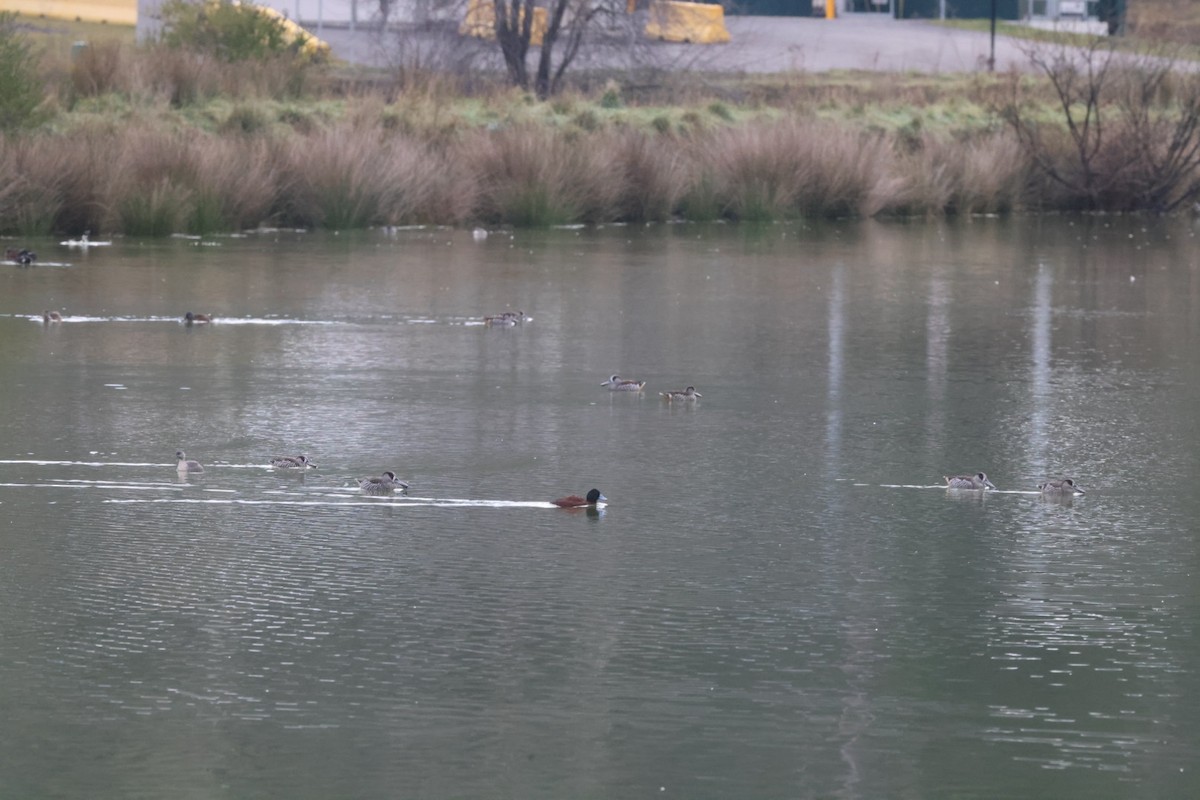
x: 575, y: 501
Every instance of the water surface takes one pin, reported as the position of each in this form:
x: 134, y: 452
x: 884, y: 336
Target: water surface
x: 777, y: 601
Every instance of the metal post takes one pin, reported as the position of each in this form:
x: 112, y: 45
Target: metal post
x: 992, y: 57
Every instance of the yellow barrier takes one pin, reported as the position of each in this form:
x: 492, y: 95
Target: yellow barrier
x: 675, y: 21
x: 313, y: 47
x: 480, y: 22
x: 116, y: 12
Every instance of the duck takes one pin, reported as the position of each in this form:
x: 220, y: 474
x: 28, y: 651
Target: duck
x: 184, y: 465
x: 616, y: 384
x: 689, y: 393
x: 575, y: 501
x: 1065, y: 486
x: 384, y: 484
x: 51, y: 316
x: 300, y: 462
x: 23, y: 257
x: 84, y: 241
x: 190, y: 318
x: 507, y: 318
x: 977, y: 481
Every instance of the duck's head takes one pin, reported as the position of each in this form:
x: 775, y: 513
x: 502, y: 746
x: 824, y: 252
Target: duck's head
x: 594, y: 496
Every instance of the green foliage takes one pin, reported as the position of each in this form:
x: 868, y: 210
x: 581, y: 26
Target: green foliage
x: 720, y: 110
x: 612, y: 96
x: 230, y: 32
x: 156, y: 212
x: 246, y: 118
x: 20, y: 88
x: 206, y: 215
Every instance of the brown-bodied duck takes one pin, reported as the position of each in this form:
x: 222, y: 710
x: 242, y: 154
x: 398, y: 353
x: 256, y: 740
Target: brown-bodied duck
x: 20, y: 256
x: 977, y: 481
x: 616, y: 384
x: 382, y: 485
x: 185, y: 465
x: 196, y: 319
x: 299, y: 462
x: 575, y: 501
x: 689, y: 393
x: 1065, y: 486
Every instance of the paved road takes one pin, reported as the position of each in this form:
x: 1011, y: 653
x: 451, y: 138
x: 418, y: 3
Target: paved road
x: 759, y: 44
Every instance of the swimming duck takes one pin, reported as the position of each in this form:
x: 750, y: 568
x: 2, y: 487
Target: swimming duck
x: 190, y: 318
x: 300, y: 462
x: 615, y: 384
x: 184, y: 465
x: 575, y: 501
x: 384, y: 484
x: 23, y: 257
x: 507, y: 318
x: 1065, y: 486
x: 977, y: 481
x: 51, y: 316
x: 689, y: 393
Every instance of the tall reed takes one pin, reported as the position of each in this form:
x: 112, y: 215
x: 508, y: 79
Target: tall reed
x: 146, y: 177
x: 529, y: 176
x: 352, y: 176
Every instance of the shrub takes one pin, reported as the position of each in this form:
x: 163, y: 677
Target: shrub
x: 20, y: 89
x: 231, y: 32
x: 95, y: 69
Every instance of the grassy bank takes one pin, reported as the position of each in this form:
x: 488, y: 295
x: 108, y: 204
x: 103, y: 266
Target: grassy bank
x: 150, y: 141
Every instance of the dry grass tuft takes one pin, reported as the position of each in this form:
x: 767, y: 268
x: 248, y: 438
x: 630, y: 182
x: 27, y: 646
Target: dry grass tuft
x: 350, y: 176
x: 533, y: 176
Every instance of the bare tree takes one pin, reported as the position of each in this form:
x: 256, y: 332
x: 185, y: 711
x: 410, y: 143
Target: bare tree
x: 567, y: 24
x: 1127, y: 135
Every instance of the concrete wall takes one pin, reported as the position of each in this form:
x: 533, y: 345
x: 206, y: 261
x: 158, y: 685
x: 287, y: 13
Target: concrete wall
x: 118, y: 12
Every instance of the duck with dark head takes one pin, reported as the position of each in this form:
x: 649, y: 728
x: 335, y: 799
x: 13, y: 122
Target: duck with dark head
x: 20, y: 256
x: 575, y: 501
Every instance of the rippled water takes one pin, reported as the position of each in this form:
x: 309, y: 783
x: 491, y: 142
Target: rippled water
x: 777, y: 601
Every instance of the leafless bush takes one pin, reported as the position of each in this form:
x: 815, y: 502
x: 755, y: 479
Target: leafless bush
x: 1127, y: 132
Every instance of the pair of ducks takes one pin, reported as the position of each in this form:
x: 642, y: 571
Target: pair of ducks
x: 382, y: 485
x: 979, y: 481
x: 616, y: 384
x: 22, y: 256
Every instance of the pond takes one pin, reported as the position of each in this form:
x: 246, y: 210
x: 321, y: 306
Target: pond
x: 780, y: 597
